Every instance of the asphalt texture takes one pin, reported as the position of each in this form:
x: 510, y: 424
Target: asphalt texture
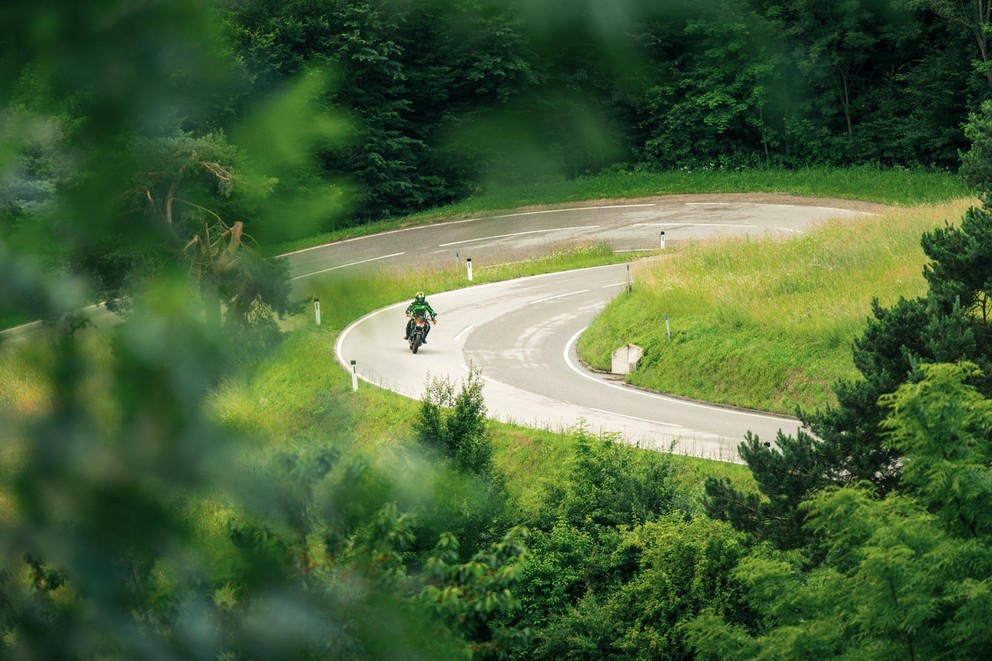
x: 520, y: 335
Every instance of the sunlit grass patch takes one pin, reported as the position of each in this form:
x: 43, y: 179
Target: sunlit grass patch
x: 565, y: 256
x: 532, y: 460
x: 345, y: 298
x: 766, y: 324
x: 23, y: 388
x: 287, y: 393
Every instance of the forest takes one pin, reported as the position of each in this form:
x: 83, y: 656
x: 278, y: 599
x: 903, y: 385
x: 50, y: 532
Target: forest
x: 151, y: 156
x: 450, y: 96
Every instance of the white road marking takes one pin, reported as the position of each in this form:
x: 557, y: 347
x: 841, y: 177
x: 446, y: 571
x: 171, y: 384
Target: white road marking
x: 505, y: 236
x: 781, y: 206
x: 634, y: 417
x: 335, y: 268
x: 464, y: 220
x: 14, y: 331
x: 534, y: 213
x: 465, y: 330
x: 737, y: 225
x: 651, y: 395
x: 691, y: 224
x: 551, y: 298
x: 369, y: 236
x: 484, y: 377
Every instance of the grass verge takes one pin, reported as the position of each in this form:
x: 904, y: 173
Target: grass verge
x: 299, y: 392
x: 349, y: 297
x: 767, y: 325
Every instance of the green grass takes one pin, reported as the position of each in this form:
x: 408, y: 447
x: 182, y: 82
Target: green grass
x: 349, y: 297
x: 293, y: 395
x: 290, y: 395
x: 868, y: 184
x: 765, y: 324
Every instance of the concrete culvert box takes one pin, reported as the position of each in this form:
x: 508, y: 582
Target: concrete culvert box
x: 625, y: 359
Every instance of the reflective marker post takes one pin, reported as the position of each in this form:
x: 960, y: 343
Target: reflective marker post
x: 354, y: 377
x: 668, y: 330
x: 468, y: 263
x: 316, y: 309
x: 661, y: 239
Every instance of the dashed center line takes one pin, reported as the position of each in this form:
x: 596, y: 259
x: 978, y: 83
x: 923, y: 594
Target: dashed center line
x: 506, y: 236
x: 551, y: 298
x: 341, y: 266
x: 736, y: 225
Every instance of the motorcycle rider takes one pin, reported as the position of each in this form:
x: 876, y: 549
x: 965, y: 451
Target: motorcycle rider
x: 421, y: 305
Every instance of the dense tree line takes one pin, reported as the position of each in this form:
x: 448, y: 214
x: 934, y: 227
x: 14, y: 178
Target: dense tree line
x: 952, y: 323
x: 448, y: 95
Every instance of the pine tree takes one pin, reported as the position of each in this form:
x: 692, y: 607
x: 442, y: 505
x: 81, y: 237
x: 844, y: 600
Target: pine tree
x: 844, y: 442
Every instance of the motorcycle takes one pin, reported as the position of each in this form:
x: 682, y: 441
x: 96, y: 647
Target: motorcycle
x: 419, y: 330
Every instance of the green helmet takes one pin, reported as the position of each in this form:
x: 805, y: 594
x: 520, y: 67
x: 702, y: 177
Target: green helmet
x: 420, y: 297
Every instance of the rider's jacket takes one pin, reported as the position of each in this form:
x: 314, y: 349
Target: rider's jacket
x: 416, y: 307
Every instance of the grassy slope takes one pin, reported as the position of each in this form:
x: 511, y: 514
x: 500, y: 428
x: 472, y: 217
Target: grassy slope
x: 766, y: 324
x: 301, y: 392
x: 291, y: 396
x: 760, y: 324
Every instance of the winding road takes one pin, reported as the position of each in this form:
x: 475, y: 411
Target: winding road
x: 521, y: 334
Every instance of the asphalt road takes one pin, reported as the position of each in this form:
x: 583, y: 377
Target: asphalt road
x: 521, y: 334
x: 509, y: 237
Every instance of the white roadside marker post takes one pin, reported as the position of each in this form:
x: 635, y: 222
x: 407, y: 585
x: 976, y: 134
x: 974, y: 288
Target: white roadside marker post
x: 354, y: 377
x: 468, y: 263
x: 316, y: 310
x: 661, y: 239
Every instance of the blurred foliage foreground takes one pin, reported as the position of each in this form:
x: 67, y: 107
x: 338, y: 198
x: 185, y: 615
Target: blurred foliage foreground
x: 132, y: 525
